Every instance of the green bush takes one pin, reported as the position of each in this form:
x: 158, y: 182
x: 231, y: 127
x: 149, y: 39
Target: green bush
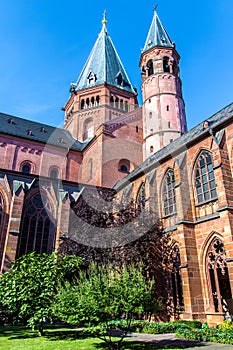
x: 169, y: 327
x: 142, y: 326
x: 215, y: 335
x: 226, y: 325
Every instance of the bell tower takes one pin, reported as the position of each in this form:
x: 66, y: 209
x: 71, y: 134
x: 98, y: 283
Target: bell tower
x: 102, y: 92
x: 163, y: 105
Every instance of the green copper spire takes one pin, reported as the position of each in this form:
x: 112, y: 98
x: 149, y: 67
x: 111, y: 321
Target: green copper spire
x: 157, y: 35
x: 103, y: 65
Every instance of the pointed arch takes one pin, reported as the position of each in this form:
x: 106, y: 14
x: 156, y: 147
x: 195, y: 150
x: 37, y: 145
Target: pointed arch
x: 141, y: 197
x: 176, y: 281
x: 220, y: 294
x: 168, y: 193
x: 37, y: 231
x: 204, y: 180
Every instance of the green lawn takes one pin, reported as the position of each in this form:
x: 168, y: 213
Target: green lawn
x: 20, y: 338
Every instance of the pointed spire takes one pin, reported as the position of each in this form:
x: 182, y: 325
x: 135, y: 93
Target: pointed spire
x: 103, y: 65
x: 157, y: 35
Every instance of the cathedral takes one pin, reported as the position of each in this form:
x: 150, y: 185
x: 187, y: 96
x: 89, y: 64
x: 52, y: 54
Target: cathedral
x: 111, y: 143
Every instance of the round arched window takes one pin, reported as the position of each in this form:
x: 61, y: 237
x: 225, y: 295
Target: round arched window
x: 54, y: 173
x: 26, y: 168
x: 124, y: 166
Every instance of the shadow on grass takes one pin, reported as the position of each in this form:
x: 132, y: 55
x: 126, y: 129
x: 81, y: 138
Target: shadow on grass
x: 54, y: 334
x: 16, y: 332
x: 160, y: 344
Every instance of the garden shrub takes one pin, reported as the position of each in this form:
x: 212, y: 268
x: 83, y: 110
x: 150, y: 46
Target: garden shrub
x: 226, y: 325
x: 215, y: 335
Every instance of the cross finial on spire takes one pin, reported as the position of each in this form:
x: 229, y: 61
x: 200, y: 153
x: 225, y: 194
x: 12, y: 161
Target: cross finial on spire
x: 155, y: 7
x: 104, y: 21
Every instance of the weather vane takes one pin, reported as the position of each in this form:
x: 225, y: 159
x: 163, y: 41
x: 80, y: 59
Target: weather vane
x: 104, y: 21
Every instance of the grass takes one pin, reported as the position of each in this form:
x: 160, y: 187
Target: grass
x: 21, y: 338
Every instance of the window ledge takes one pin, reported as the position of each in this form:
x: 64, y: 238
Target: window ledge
x: 207, y: 218
x: 207, y: 202
x: 169, y: 215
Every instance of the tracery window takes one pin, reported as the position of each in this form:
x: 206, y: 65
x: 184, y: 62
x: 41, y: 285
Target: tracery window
x: 168, y: 193
x: 204, y: 178
x: 217, y: 273
x: 177, y: 292
x: 37, y: 231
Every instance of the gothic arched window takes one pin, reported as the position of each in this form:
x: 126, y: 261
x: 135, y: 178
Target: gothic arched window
x: 177, y: 292
x: 218, y: 277
x: 37, y: 232
x: 204, y: 178
x: 141, y: 197
x: 168, y: 193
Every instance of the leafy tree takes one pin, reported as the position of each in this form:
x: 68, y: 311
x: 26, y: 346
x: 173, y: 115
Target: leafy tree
x: 103, y: 294
x: 28, y: 288
x: 156, y: 249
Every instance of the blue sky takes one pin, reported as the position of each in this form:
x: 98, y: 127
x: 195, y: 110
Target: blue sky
x: 45, y: 43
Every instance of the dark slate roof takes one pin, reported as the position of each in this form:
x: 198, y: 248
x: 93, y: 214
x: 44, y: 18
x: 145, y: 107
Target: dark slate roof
x: 178, y: 146
x: 34, y: 131
x: 103, y: 66
x: 157, y: 35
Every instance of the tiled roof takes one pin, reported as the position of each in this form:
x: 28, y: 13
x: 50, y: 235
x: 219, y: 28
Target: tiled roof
x: 157, y: 35
x: 34, y: 131
x: 103, y: 66
x: 179, y: 145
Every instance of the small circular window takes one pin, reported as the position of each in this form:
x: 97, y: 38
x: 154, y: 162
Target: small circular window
x: 124, y: 166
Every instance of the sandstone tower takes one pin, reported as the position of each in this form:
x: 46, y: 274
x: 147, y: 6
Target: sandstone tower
x: 102, y: 92
x: 163, y: 106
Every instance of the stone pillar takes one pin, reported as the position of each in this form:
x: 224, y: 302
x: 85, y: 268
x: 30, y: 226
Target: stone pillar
x: 190, y: 272
x: 63, y: 216
x: 13, y: 230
